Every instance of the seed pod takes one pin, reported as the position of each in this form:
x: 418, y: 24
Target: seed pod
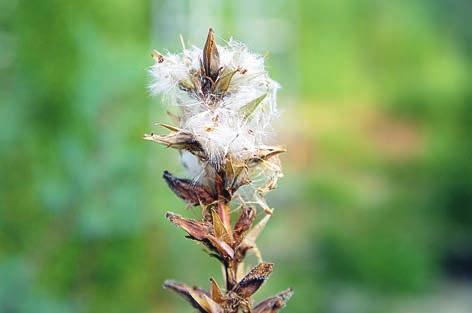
x: 253, y: 280
x: 211, y: 58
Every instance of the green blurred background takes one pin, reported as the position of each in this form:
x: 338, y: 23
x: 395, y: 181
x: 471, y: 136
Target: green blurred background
x: 374, y: 213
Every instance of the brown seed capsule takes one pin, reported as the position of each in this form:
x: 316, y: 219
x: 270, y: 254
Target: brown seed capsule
x: 211, y: 58
x: 253, y: 280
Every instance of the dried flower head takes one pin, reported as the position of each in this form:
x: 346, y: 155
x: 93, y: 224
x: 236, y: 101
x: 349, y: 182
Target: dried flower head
x: 226, y: 103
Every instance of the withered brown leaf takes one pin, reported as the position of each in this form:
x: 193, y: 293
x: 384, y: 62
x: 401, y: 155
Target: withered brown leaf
x: 211, y: 58
x: 275, y: 303
x: 188, y: 190
x: 253, y: 280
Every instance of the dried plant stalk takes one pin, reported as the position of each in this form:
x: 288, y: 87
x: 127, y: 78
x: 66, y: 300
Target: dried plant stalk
x: 227, y: 102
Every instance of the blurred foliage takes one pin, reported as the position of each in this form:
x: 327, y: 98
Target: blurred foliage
x: 376, y: 204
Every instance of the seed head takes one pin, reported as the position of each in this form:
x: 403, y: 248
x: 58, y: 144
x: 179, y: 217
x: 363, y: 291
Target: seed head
x: 227, y: 102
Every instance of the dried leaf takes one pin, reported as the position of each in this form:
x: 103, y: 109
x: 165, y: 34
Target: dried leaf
x: 274, y: 304
x: 196, y: 229
x: 189, y: 191
x: 244, y: 223
x: 253, y: 280
x: 250, y: 107
x: 192, y: 295
x: 215, y: 291
x: 211, y: 58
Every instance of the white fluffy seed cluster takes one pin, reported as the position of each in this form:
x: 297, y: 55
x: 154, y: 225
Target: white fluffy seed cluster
x: 222, y: 128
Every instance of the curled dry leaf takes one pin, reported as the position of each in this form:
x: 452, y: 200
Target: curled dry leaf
x: 274, y: 304
x: 253, y: 280
x: 188, y: 190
